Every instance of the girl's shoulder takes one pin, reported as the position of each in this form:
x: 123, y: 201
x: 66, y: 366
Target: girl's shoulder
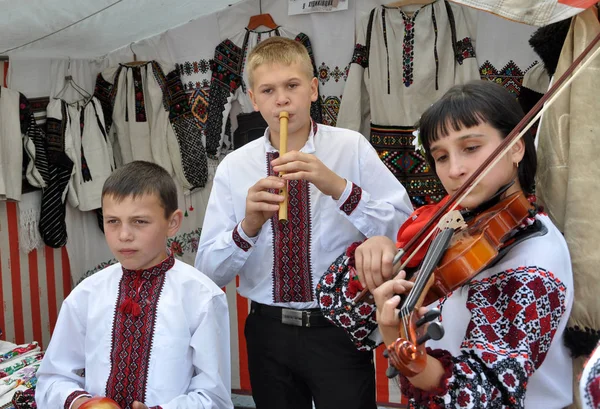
x: 544, y: 253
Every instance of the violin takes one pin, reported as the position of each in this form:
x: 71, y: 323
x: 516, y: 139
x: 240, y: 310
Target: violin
x: 455, y: 256
x: 458, y: 253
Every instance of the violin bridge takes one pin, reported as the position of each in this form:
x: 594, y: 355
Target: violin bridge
x: 454, y: 220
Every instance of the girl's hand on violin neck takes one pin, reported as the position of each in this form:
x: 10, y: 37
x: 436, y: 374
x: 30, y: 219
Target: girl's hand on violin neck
x: 373, y: 261
x: 387, y: 300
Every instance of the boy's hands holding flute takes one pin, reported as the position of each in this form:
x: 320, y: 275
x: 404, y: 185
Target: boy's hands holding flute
x: 261, y: 204
x: 304, y: 166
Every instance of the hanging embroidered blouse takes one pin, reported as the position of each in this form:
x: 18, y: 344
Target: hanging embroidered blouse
x: 147, y: 111
x: 402, y: 63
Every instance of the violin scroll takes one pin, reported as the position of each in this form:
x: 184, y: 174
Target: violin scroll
x: 407, y: 355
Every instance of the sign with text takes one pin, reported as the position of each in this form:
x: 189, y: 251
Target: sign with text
x: 316, y: 6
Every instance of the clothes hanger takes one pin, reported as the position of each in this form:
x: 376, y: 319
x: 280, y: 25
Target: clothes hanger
x: 135, y: 62
x: 261, y: 20
x: 69, y: 81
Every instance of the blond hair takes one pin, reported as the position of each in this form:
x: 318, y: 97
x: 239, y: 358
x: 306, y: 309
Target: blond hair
x: 279, y: 50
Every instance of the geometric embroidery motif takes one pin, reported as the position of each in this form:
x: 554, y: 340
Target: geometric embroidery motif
x: 337, y: 73
x: 324, y: 74
x: 516, y: 310
x: 464, y: 50
x: 352, y: 202
x: 239, y: 240
x: 408, y: 48
x: 395, y: 147
x: 514, y: 317
x: 360, y: 56
x: 140, y: 106
x: 292, y: 278
x: 132, y: 334
x: 510, y: 76
x: 334, y: 293
x: 199, y: 105
x: 185, y: 127
x: 194, y: 67
x: 331, y: 108
x: 592, y: 386
x: 71, y: 398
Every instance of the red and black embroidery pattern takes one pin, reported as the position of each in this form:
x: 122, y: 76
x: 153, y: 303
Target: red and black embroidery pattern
x: 335, y: 293
x: 464, y: 49
x: 292, y: 278
x: 360, y: 56
x: 71, y: 398
x: 591, y: 390
x: 408, y: 47
x: 239, y: 240
x: 140, y: 105
x: 352, y: 202
x: 514, y: 316
x: 132, y: 334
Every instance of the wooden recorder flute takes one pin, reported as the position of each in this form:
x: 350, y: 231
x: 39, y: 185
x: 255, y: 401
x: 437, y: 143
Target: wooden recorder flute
x: 283, y: 134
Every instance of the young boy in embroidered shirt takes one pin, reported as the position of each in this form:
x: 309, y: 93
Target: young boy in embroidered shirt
x: 339, y: 192
x: 149, y: 331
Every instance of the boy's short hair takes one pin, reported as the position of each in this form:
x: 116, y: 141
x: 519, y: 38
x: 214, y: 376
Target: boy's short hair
x: 279, y: 50
x: 140, y: 178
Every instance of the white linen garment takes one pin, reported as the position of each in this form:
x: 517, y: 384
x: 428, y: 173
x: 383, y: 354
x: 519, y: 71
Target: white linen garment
x: 283, y: 264
x: 174, y: 355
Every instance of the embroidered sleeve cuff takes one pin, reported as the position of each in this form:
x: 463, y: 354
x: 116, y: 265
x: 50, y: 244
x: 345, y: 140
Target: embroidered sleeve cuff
x: 74, y: 396
x: 350, y: 199
x: 426, y: 398
x: 241, y: 239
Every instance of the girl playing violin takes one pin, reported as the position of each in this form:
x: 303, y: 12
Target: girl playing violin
x: 502, y: 345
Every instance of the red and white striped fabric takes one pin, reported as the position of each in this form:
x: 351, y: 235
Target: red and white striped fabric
x: 32, y: 286
x: 533, y: 12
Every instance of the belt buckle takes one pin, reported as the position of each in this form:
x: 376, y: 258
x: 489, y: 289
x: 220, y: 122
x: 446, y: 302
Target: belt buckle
x: 294, y: 317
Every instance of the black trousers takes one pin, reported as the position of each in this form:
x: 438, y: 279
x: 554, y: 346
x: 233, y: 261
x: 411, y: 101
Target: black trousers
x: 290, y: 366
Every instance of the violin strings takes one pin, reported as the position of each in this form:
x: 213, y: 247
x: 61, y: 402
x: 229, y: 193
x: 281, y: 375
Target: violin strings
x: 420, y: 282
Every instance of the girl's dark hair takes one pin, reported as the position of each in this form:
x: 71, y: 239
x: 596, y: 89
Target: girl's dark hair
x: 471, y: 104
x: 139, y: 178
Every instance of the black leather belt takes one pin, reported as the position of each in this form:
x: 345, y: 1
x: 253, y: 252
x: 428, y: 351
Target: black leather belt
x: 289, y: 316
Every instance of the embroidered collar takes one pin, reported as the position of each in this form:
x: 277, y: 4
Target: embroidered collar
x: 309, y: 146
x: 156, y: 270
x: 130, y: 304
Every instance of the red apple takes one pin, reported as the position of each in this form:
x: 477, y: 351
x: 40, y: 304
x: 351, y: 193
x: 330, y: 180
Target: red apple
x: 100, y: 402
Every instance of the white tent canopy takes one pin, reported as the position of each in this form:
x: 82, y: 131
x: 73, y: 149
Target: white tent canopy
x: 91, y: 29
x: 86, y: 29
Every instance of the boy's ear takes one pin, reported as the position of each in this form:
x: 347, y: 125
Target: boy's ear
x: 253, y: 99
x: 175, y: 222
x: 314, y: 89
